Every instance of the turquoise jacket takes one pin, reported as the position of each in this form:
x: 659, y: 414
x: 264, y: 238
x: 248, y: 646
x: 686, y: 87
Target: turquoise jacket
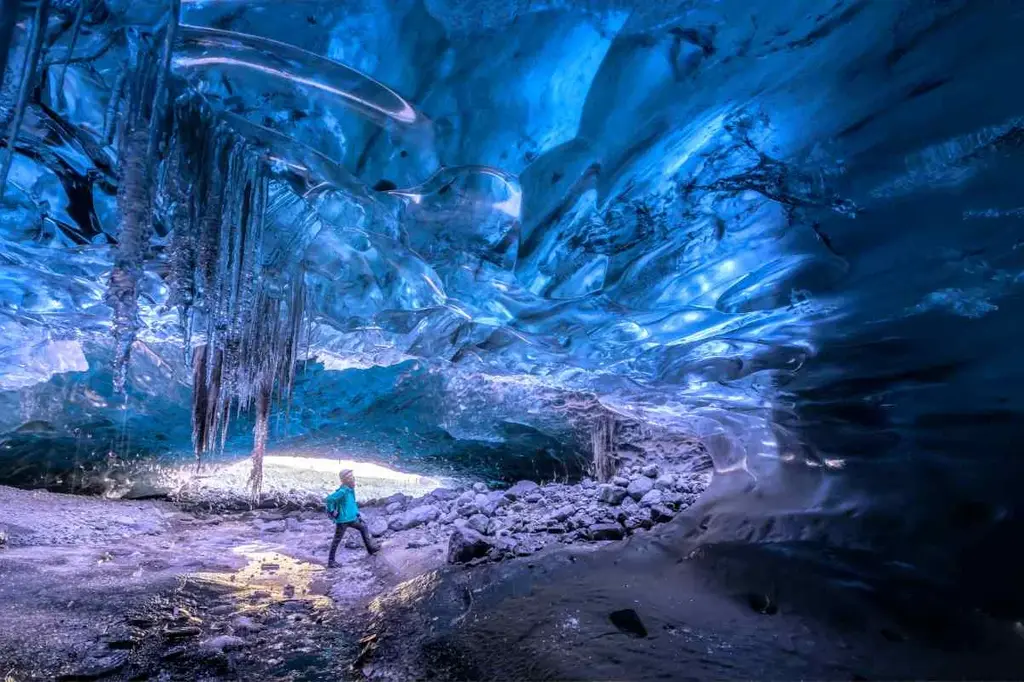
x: 343, y: 503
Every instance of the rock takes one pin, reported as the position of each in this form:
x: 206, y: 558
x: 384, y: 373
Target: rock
x: 495, y: 500
x: 414, y: 517
x: 587, y: 484
x: 650, y: 471
x: 444, y: 494
x: 521, y: 489
x: 562, y: 513
x: 182, y: 632
x: 639, y: 487
x: 98, y: 664
x: 417, y: 542
x: 652, y: 498
x: 273, y: 527
x: 610, y: 494
x: 451, y: 516
x: 377, y: 526
x: 534, y: 498
x: 478, y: 522
x: 393, y: 508
x: 353, y: 540
x: 660, y: 513
x: 245, y: 625
x: 480, y: 487
x: 465, y: 545
x: 400, y: 498
x: 665, y: 483
x: 634, y: 522
x: 3, y: 538
x: 630, y: 506
x: 222, y: 643
x: 605, y: 531
x: 620, y: 481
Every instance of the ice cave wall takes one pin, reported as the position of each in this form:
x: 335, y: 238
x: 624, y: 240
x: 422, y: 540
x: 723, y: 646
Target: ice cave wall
x: 792, y: 228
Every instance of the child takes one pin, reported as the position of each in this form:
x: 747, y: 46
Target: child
x: 341, y: 506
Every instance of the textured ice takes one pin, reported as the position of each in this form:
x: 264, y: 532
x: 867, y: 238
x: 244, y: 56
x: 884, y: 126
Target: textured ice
x: 790, y: 227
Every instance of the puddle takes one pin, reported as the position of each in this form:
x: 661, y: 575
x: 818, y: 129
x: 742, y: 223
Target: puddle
x: 270, y: 577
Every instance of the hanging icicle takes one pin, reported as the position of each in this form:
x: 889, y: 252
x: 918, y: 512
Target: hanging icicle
x: 29, y: 71
x: 143, y: 128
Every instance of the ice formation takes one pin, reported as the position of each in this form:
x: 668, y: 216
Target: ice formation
x: 787, y: 228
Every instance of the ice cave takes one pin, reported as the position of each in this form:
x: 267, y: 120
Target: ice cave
x: 511, y: 340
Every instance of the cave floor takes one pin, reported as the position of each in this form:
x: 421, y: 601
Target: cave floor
x: 141, y: 590
x: 101, y: 589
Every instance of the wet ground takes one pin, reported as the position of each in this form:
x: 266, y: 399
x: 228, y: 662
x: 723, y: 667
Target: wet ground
x: 93, y: 588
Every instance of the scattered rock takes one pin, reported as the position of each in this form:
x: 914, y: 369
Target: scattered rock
x: 562, y: 513
x: 534, y: 498
x: 588, y: 484
x: 606, y: 531
x: 273, y: 527
x: 639, y: 487
x: 3, y: 538
x: 417, y: 542
x: 521, y: 489
x: 444, y: 494
x: 650, y: 471
x: 98, y: 664
x: 377, y: 526
x: 620, y: 481
x: 478, y: 522
x: 245, y: 625
x: 222, y: 643
x: 480, y: 487
x: 665, y: 483
x: 414, y: 517
x: 660, y: 513
x: 182, y: 632
x: 652, y: 498
x: 610, y: 494
x: 628, y: 621
x: 393, y: 508
x: 465, y: 545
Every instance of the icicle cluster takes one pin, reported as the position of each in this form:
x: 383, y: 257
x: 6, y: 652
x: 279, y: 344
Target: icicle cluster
x: 245, y: 333
x: 142, y: 128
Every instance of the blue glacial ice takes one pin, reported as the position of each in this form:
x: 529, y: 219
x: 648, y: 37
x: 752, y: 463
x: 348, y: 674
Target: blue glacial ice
x: 470, y: 229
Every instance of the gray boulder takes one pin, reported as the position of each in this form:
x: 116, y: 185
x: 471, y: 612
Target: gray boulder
x: 639, y: 487
x: 665, y: 482
x: 610, y: 494
x: 562, y: 513
x: 660, y: 513
x: 444, y: 494
x: 479, y: 487
x: 414, y: 517
x: 478, y: 522
x: 620, y: 481
x: 377, y: 527
x: 465, y: 544
x: 521, y: 489
x: 650, y: 471
x: 393, y: 508
x: 606, y: 531
x: 652, y: 498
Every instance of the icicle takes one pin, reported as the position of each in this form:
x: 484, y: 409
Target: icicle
x: 76, y: 28
x: 8, y: 20
x: 114, y: 106
x: 28, y: 78
x: 134, y: 201
x: 259, y: 438
x: 603, y: 444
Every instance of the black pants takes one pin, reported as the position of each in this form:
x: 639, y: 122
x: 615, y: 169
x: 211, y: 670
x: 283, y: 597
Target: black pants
x: 339, y: 531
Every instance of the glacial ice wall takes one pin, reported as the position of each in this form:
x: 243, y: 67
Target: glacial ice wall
x: 792, y: 228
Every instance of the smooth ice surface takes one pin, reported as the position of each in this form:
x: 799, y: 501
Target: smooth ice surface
x: 792, y: 228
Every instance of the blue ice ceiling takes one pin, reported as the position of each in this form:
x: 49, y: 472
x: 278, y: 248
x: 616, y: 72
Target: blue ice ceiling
x: 794, y: 228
